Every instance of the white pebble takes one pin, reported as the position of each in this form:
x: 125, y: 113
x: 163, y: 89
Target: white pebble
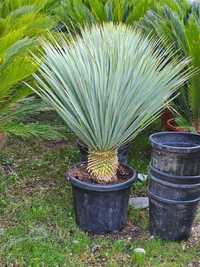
x: 139, y: 250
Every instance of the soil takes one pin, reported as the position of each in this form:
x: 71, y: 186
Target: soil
x: 130, y: 232
x: 59, y: 144
x: 81, y: 173
x: 194, y: 238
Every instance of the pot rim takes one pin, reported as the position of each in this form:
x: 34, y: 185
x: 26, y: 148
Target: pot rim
x: 171, y: 201
x: 102, y: 187
x: 174, y: 127
x: 171, y: 176
x: 178, y: 149
x: 175, y: 185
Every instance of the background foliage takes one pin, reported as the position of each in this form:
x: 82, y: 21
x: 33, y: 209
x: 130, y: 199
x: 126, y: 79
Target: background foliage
x: 22, y: 22
x: 180, y: 24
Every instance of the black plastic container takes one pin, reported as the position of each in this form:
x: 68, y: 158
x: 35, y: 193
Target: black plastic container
x: 171, y: 220
x: 101, y: 208
x: 176, y: 153
x: 122, y: 153
x: 173, y: 198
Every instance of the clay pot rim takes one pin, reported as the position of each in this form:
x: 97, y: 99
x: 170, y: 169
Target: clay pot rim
x: 174, y: 128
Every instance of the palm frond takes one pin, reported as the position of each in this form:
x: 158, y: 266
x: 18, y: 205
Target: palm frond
x: 109, y: 83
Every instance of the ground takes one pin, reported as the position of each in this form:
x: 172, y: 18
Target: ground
x: 37, y: 226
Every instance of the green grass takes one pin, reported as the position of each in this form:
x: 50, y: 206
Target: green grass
x: 37, y: 226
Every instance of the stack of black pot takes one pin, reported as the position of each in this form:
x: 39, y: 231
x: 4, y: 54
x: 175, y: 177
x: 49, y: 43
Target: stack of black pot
x: 174, y: 188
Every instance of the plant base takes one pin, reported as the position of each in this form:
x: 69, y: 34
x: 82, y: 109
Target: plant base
x: 122, y: 152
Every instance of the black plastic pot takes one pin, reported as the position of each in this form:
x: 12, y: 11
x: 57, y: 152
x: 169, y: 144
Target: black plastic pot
x: 101, y: 208
x: 122, y: 153
x: 176, y: 153
x: 173, y: 199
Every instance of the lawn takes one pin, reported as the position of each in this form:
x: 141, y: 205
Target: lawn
x: 37, y: 226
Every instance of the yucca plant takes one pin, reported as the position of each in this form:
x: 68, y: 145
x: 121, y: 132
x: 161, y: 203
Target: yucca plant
x: 181, y: 27
x: 107, y: 84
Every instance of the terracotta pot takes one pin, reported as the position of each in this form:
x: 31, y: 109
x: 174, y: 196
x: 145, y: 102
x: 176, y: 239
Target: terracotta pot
x: 196, y: 126
x: 171, y: 126
x: 3, y: 139
x: 166, y: 115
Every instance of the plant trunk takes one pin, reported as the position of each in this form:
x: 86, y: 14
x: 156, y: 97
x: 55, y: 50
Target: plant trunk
x: 103, y: 165
x: 122, y: 152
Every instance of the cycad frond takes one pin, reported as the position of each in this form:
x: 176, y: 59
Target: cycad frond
x: 16, y: 8
x: 109, y: 83
x: 22, y: 110
x: 37, y: 130
x: 21, y: 23
x: 82, y: 12
x: 182, y: 29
